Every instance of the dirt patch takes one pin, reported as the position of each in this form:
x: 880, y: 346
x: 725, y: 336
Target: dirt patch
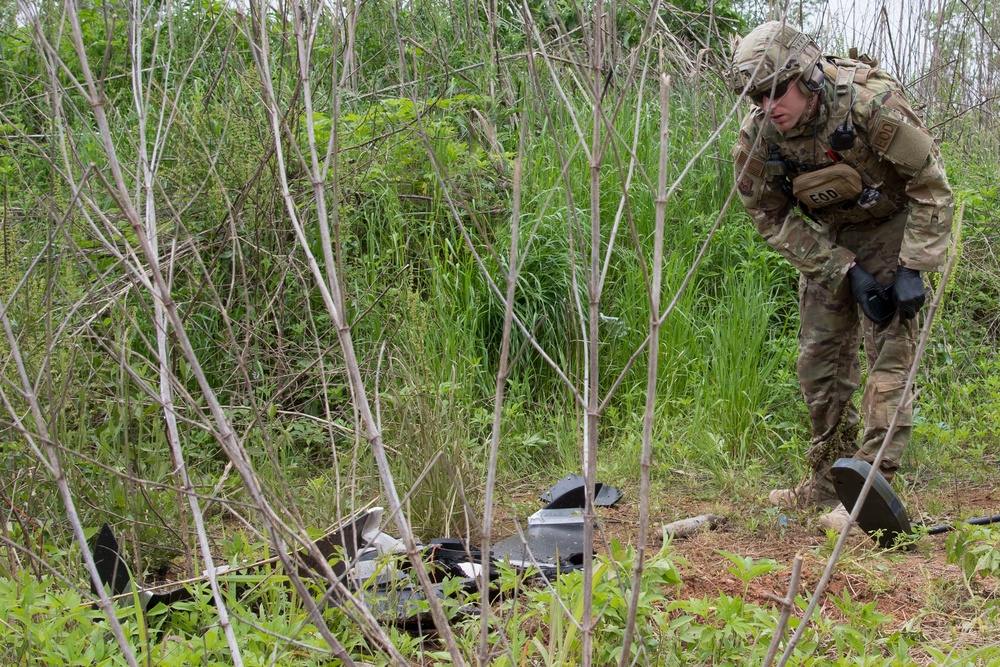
x: 919, y: 590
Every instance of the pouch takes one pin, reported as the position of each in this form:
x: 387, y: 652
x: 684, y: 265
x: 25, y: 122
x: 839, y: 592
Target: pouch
x: 830, y: 185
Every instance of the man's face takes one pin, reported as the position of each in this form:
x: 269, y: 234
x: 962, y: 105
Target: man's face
x: 786, y: 110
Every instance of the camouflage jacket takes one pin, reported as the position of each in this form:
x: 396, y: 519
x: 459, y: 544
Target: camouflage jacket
x: 893, y: 154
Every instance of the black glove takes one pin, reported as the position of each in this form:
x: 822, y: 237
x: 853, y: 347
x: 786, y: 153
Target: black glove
x: 876, y: 301
x: 910, y: 292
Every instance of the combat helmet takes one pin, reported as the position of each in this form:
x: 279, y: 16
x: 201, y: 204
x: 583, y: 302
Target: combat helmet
x: 771, y: 54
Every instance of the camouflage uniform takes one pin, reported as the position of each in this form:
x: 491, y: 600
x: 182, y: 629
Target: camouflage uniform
x: 909, y: 226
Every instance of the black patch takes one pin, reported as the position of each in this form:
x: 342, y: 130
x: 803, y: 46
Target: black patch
x: 110, y: 567
x: 568, y: 492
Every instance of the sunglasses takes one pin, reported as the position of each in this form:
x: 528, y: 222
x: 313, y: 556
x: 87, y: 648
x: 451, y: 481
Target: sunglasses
x: 779, y: 92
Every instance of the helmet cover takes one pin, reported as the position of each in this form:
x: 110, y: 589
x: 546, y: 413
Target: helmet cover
x: 769, y: 55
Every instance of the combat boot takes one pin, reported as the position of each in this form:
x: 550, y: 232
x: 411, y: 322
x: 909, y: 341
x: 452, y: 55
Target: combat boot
x: 835, y: 520
x: 816, y: 492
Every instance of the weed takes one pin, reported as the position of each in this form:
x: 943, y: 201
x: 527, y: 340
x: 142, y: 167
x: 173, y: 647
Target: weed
x: 976, y: 549
x: 746, y: 570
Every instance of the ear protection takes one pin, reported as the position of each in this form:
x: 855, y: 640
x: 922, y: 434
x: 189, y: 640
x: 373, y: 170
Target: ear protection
x: 814, y: 82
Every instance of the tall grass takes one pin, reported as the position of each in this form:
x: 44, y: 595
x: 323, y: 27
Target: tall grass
x: 262, y: 382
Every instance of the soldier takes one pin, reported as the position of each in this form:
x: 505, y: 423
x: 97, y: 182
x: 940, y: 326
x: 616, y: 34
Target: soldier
x: 842, y: 179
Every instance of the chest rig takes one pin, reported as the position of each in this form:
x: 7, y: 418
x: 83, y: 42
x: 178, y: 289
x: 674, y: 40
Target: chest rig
x: 832, y: 173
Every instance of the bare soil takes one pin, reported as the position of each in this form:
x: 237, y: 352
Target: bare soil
x: 918, y: 589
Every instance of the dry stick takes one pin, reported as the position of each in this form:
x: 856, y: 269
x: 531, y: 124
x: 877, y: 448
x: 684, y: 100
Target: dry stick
x: 40, y: 564
x: 148, y: 168
x: 283, y: 638
x: 958, y: 114
x: 627, y: 184
x: 608, y: 121
x: 625, y: 207
x: 590, y: 379
x: 330, y: 290
x: 375, y: 437
x: 893, y: 425
x: 498, y: 399
x: 646, y: 458
x: 96, y: 99
x: 526, y: 12
x: 591, y: 384
x: 694, y: 267
x: 528, y: 334
x: 677, y: 296
x: 372, y: 628
x: 52, y: 461
x: 786, y: 611
x: 224, y: 435
x: 349, y: 75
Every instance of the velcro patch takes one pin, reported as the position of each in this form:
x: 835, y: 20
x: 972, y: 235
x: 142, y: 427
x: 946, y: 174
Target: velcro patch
x: 899, y: 142
x: 798, y: 42
x: 754, y: 166
x: 746, y: 186
x: 883, y: 132
x: 824, y: 187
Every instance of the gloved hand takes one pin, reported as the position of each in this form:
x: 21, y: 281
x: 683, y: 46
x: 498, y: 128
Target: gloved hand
x: 910, y: 292
x: 876, y: 301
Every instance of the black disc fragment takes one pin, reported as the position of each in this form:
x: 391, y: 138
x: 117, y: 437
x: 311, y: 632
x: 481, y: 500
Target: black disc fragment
x: 882, y: 516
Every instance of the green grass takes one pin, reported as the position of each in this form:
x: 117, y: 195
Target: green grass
x: 427, y: 333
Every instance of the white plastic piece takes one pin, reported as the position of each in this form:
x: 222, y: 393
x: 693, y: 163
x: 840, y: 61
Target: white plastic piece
x: 471, y: 570
x: 570, y: 515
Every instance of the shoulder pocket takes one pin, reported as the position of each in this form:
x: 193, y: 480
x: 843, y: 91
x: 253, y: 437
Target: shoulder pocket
x: 899, y: 142
x: 749, y: 173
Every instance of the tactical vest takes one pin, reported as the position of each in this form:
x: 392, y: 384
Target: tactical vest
x: 835, y: 184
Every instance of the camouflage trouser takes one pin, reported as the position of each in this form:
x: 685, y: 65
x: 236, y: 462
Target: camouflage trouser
x: 829, y: 365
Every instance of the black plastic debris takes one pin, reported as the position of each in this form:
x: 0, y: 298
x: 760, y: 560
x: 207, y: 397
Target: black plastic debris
x: 114, y: 574
x: 372, y: 563
x: 366, y: 560
x: 568, y: 492
x: 451, y: 557
x: 553, y: 540
x: 110, y: 566
x: 882, y: 516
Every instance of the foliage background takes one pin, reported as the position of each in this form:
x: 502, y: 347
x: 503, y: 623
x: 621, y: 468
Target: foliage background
x: 434, y: 104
